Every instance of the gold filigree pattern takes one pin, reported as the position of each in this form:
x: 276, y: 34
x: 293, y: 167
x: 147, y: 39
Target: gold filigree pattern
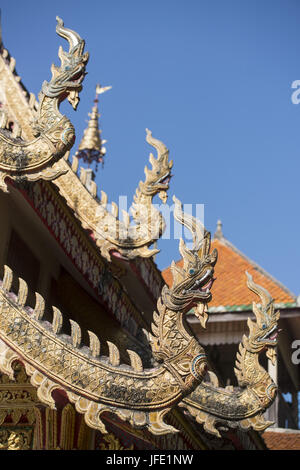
x: 15, y: 439
x: 18, y: 401
x: 96, y: 384
x: 111, y: 442
x: 112, y: 234
x: 92, y: 212
x: 84, y: 255
x: 243, y: 407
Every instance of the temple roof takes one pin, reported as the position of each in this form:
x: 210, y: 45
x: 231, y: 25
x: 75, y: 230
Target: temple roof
x: 229, y: 292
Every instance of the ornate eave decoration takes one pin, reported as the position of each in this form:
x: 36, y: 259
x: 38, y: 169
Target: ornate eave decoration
x: 133, y: 238
x: 96, y: 383
x: 54, y: 134
x: 84, y: 255
x: 143, y: 397
x: 242, y: 407
x: 130, y: 238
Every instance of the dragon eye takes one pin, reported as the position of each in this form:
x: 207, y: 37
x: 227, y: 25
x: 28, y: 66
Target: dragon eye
x: 192, y: 271
x: 264, y: 326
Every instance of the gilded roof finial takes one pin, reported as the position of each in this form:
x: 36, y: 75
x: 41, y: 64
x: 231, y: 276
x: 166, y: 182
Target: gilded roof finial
x: 219, y: 232
x: 91, y: 146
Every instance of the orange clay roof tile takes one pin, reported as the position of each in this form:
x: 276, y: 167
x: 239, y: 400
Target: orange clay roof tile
x: 230, y: 287
x: 282, y: 440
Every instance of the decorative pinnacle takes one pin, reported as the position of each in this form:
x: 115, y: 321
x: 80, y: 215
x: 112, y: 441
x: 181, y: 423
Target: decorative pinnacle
x: 90, y: 148
x: 219, y: 232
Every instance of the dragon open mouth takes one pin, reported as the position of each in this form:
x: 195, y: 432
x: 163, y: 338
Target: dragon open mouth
x: 204, y: 283
x: 78, y: 76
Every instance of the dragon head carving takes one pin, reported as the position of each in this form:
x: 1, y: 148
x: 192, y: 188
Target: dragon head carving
x: 263, y: 332
x: 192, y: 283
x: 158, y: 178
x: 66, y: 81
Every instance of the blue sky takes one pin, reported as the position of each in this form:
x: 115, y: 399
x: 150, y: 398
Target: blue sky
x: 212, y: 79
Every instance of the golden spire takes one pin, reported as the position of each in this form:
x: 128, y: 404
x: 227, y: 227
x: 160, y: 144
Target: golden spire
x: 219, y: 232
x: 91, y: 146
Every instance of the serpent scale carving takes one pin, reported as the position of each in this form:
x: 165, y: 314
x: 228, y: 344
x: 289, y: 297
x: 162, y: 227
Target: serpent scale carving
x: 244, y: 406
x: 96, y: 383
x: 54, y: 132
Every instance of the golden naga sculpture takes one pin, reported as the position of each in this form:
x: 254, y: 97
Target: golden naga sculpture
x: 32, y: 160
x: 97, y: 384
x: 244, y: 406
x: 132, y: 240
